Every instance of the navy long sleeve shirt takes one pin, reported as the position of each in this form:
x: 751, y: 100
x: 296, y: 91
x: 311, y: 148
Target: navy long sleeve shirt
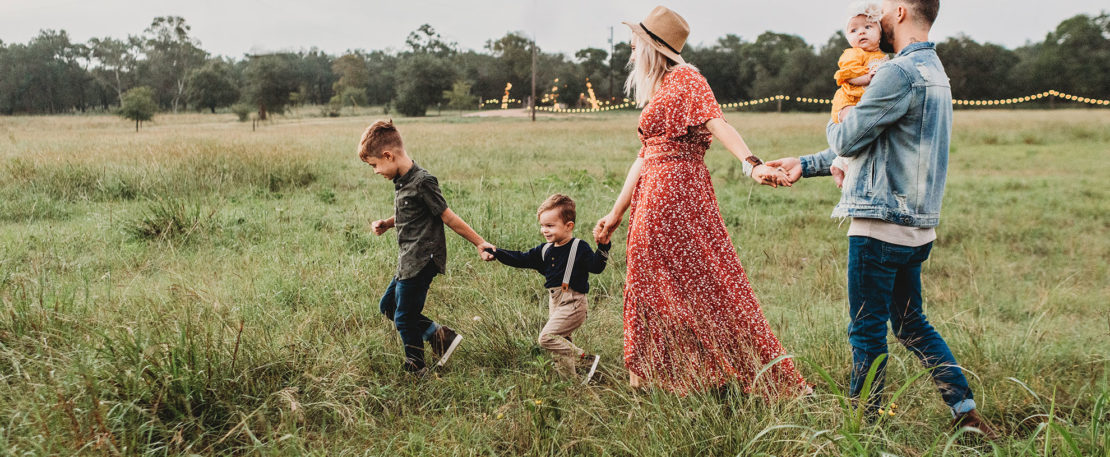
x: 554, y: 266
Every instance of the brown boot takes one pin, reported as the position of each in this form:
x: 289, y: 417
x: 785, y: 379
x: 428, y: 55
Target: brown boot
x: 972, y: 419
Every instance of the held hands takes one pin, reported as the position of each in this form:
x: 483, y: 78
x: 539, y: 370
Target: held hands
x: 381, y: 226
x: 790, y: 165
x: 486, y: 250
x: 602, y: 238
x: 605, y: 227
x: 771, y: 176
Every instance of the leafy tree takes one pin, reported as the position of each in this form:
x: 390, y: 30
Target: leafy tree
x: 44, y: 76
x: 726, y: 65
x: 138, y: 105
x: 270, y: 78
x: 425, y: 40
x: 212, y: 86
x: 459, y: 96
x: 514, y: 53
x: 171, y: 54
x: 117, y: 59
x: 316, y: 76
x: 1073, y: 58
x: 382, y: 67
x: 977, y: 70
x: 353, y: 74
x: 595, y: 64
x: 421, y: 80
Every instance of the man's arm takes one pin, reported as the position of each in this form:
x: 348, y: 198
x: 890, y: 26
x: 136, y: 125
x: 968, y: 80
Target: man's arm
x: 818, y: 164
x: 887, y: 99
x: 460, y: 226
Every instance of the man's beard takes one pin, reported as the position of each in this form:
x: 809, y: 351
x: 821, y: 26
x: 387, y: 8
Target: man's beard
x: 886, y: 41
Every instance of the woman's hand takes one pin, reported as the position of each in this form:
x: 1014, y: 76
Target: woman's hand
x: 607, y: 225
x: 768, y: 176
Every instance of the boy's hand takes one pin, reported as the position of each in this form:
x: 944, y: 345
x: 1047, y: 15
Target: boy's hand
x: 381, y: 226
x: 602, y: 237
x: 486, y: 250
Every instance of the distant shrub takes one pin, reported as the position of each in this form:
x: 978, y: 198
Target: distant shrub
x: 242, y: 110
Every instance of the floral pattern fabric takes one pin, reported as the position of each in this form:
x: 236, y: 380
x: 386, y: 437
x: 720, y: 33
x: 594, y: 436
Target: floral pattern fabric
x: 691, y: 319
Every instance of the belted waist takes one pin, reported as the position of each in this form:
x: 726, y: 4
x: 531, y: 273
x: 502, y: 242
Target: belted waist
x: 674, y: 150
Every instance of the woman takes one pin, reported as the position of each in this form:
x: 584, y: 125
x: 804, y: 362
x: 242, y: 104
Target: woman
x: 691, y: 320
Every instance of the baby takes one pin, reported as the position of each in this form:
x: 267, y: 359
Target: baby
x: 857, y: 65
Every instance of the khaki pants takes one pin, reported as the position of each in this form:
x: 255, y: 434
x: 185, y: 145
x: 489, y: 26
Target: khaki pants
x: 566, y: 312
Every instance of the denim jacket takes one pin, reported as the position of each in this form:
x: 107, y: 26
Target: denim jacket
x: 898, y: 138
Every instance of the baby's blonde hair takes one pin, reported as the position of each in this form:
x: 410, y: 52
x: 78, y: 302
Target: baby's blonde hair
x: 872, y: 9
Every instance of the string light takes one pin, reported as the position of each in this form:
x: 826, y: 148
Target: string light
x: 596, y: 106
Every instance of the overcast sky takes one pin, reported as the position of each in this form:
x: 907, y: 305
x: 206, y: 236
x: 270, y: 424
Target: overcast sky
x: 234, y: 27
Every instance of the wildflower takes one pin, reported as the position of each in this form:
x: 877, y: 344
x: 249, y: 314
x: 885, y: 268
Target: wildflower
x: 539, y: 402
x: 500, y: 415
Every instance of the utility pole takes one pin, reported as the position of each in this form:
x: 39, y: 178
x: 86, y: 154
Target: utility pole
x: 612, y: 50
x: 533, y: 78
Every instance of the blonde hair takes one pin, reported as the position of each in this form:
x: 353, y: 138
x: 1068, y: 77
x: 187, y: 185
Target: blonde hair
x: 646, y: 70
x: 379, y: 136
x: 562, y: 203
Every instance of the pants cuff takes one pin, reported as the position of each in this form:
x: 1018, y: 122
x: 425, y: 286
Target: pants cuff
x: 963, y: 407
x: 431, y: 331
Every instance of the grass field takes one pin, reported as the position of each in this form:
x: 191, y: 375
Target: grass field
x: 199, y: 288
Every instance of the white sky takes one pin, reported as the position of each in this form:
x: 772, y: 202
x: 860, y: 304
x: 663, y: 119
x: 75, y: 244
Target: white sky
x: 235, y: 27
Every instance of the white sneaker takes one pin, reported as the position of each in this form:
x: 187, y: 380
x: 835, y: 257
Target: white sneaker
x: 593, y: 367
x: 450, y: 349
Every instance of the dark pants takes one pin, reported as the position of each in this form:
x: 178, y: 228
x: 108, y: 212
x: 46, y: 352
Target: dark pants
x: 403, y: 304
x: 884, y: 284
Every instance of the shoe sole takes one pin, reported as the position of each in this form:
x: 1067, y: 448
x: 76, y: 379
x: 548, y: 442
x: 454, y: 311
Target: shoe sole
x: 450, y: 349
x: 593, y: 369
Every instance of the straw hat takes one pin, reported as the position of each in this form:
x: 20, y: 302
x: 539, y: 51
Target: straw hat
x: 664, y: 30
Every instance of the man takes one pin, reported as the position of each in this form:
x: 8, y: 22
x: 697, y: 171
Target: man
x: 898, y: 136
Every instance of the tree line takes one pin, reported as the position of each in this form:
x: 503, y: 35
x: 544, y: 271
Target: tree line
x: 53, y: 74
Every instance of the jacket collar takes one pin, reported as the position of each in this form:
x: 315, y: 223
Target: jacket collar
x: 920, y: 45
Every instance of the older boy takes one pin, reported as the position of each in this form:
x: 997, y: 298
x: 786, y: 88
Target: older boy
x: 420, y: 213
x: 566, y: 263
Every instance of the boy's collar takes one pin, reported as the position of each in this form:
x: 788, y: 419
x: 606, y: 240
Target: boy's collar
x: 405, y: 178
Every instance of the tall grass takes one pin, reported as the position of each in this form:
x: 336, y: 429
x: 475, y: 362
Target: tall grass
x: 199, y: 288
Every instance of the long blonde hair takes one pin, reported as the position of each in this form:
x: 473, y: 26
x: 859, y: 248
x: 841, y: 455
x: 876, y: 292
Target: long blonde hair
x: 646, y: 70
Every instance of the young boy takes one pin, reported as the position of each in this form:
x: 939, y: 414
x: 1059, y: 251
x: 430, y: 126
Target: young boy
x: 420, y: 213
x: 566, y: 263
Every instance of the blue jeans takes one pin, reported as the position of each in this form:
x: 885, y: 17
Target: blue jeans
x: 884, y: 284
x: 403, y: 303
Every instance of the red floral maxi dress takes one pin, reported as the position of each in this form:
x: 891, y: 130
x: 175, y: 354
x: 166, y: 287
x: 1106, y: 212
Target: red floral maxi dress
x: 691, y: 320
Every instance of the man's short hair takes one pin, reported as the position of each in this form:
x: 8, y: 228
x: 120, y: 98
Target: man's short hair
x: 380, y: 136
x: 925, y: 10
x: 562, y: 203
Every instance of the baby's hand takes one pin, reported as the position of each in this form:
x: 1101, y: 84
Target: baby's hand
x: 838, y: 175
x: 844, y: 112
